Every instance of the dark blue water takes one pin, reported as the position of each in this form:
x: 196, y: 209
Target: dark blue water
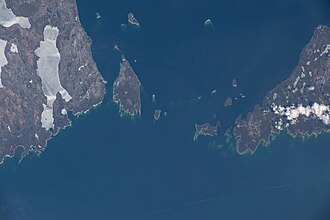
x: 106, y: 167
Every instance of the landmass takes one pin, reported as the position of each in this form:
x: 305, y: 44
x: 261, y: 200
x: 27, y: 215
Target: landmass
x: 157, y: 114
x: 206, y: 130
x: 132, y: 20
x: 208, y: 23
x: 153, y: 98
x: 234, y: 83
x: 98, y: 15
x: 228, y: 132
x: 46, y: 71
x: 123, y: 27
x: 299, y: 105
x: 228, y: 102
x: 126, y: 90
x: 241, y: 95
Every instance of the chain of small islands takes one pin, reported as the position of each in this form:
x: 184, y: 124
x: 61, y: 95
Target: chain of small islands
x: 300, y: 105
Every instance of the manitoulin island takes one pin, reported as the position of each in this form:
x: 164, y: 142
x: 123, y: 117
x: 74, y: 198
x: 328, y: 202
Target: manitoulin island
x: 299, y: 105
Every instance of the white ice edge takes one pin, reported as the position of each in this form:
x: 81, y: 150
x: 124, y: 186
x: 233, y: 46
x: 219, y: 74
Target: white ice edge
x: 3, y: 59
x: 8, y: 18
x: 49, y: 59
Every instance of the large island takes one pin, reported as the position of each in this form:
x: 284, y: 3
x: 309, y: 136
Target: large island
x: 46, y: 71
x: 126, y: 90
x: 299, y: 105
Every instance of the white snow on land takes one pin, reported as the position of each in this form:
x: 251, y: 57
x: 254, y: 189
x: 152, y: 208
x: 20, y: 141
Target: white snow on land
x: 3, y: 59
x: 326, y: 50
x: 13, y: 48
x: 49, y: 59
x: 8, y: 18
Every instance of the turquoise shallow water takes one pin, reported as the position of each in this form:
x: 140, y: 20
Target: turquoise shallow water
x: 105, y: 167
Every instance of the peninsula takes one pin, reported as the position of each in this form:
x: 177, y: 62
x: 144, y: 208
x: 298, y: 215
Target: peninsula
x: 299, y: 105
x: 46, y: 71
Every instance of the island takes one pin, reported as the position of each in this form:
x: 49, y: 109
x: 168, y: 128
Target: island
x: 228, y: 132
x: 206, y: 130
x: 228, y: 102
x: 157, y: 114
x: 234, y: 83
x: 300, y: 105
x: 132, y: 20
x: 153, y: 98
x: 126, y: 90
x: 98, y: 15
x: 46, y: 71
x: 208, y: 23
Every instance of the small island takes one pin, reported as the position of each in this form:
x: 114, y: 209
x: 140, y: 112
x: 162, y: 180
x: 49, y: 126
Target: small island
x: 98, y: 15
x: 206, y: 130
x: 126, y: 90
x: 228, y: 102
x: 209, y: 24
x: 228, y: 132
x: 234, y: 83
x: 132, y: 20
x: 157, y: 114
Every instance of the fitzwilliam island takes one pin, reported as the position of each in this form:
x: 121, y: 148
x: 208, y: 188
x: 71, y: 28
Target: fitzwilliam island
x: 126, y: 90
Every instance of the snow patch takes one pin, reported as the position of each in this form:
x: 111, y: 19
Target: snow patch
x: 326, y: 50
x: 8, y: 18
x: 64, y: 111
x: 13, y: 48
x: 3, y: 59
x: 49, y: 59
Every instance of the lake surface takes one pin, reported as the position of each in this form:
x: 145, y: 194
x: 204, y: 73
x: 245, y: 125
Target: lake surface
x: 107, y: 167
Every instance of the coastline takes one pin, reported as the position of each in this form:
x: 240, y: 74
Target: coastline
x: 265, y: 122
